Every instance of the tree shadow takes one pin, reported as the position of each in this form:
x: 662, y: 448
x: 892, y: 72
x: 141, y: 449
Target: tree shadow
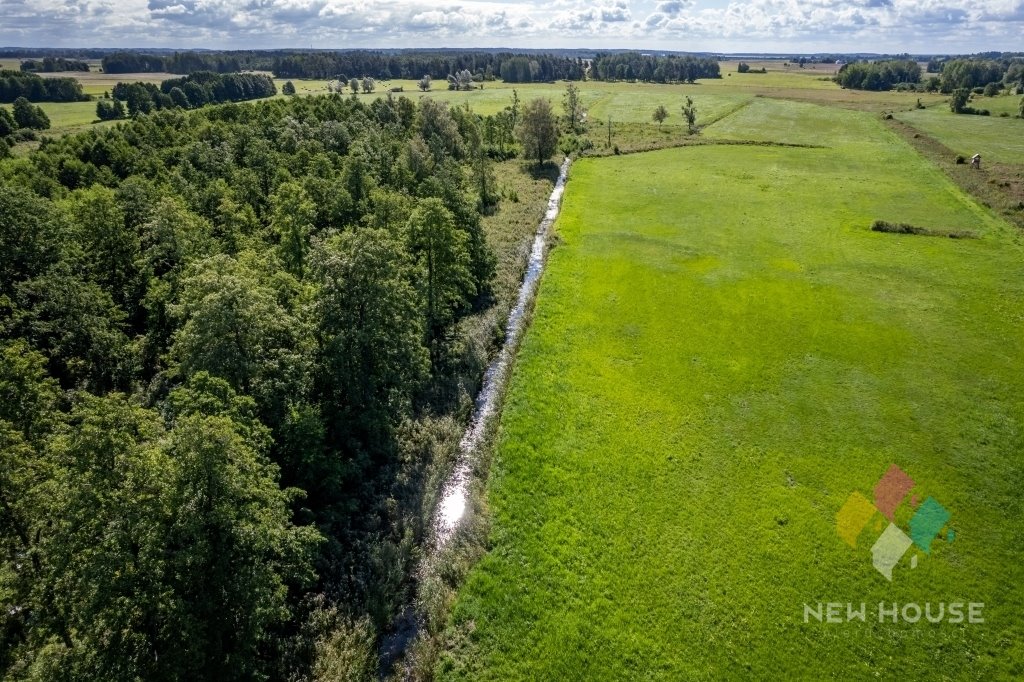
x: 548, y: 171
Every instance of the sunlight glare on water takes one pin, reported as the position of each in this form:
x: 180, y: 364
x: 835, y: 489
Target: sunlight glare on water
x: 453, y: 502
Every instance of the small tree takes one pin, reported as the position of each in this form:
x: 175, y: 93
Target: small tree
x: 958, y: 102
x: 354, y: 84
x: 288, y: 88
x: 424, y: 83
x: 573, y: 107
x: 26, y: 115
x: 743, y: 67
x: 659, y: 115
x: 690, y: 114
x: 369, y: 85
x: 538, y: 130
x: 7, y: 124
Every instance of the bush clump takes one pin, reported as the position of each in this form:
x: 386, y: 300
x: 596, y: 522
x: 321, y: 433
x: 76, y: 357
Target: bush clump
x: 904, y: 228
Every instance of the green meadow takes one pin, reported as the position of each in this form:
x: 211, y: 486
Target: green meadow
x: 994, y: 137
x: 720, y: 353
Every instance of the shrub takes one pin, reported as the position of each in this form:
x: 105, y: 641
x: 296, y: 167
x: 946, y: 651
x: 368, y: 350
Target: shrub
x: 348, y: 653
x: 904, y: 228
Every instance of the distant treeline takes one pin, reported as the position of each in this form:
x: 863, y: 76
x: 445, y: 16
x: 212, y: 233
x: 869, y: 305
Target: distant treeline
x: 53, y: 65
x: 952, y: 74
x: 194, y: 91
x: 636, y: 66
x: 184, y: 62
x: 881, y: 75
x: 975, y: 73
x: 15, y: 84
x: 40, y: 52
x: 438, y: 65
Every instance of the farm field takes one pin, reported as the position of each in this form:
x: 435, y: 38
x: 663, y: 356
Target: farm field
x: 721, y: 353
x: 69, y: 117
x: 994, y: 137
x: 629, y: 103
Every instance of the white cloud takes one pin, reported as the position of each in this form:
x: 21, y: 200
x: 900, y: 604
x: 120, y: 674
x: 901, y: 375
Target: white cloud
x: 776, y: 25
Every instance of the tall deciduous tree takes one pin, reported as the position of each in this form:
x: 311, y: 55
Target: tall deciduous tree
x: 442, y: 254
x: 232, y: 327
x: 538, y: 130
x: 292, y: 217
x: 369, y: 326
x: 110, y: 249
x: 690, y: 114
x: 573, y: 107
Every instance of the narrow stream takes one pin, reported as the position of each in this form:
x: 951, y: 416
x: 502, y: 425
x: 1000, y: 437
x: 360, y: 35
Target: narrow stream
x: 453, y: 501
x: 452, y: 506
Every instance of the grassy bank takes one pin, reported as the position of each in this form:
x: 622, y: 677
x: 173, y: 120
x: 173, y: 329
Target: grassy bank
x: 722, y: 351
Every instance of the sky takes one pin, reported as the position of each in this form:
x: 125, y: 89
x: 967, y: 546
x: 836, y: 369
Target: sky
x: 783, y: 26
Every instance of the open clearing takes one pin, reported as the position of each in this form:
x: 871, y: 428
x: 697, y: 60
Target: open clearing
x: 625, y: 103
x: 721, y: 352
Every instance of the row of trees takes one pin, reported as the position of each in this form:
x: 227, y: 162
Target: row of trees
x: 35, y: 88
x: 647, y: 68
x: 184, y: 62
x: 54, y: 65
x: 975, y: 73
x: 192, y: 92
x: 205, y: 87
x: 880, y: 75
x: 230, y: 352
x: 438, y: 65
x: 953, y: 74
x: 688, y: 110
x: 539, y: 69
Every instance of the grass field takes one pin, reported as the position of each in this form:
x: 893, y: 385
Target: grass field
x: 994, y: 137
x: 721, y: 352
x: 629, y: 103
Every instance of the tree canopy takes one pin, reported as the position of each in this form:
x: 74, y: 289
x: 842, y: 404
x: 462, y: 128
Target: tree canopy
x: 224, y: 333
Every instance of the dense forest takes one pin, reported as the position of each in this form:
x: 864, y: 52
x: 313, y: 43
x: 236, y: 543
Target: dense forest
x: 182, y: 62
x: 635, y: 66
x: 231, y: 347
x: 53, y: 65
x: 34, y: 88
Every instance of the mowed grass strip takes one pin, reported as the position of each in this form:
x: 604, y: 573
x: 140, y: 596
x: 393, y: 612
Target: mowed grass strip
x: 721, y: 352
x: 996, y: 138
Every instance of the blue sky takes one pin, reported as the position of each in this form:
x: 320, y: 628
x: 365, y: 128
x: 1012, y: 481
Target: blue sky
x: 926, y: 26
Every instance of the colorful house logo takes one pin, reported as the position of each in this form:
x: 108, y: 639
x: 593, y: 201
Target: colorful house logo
x: 897, y: 520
